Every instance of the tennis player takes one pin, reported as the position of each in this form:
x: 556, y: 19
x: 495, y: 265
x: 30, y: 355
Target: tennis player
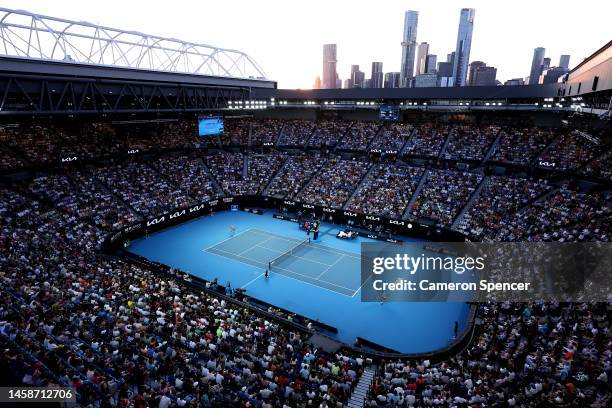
x: 232, y: 230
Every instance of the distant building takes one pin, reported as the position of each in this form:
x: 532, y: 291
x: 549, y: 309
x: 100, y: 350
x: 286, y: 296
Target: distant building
x: 536, y: 65
x: 411, y: 20
x: 445, y: 69
x: 552, y: 75
x: 421, y: 59
x: 546, y: 63
x: 329, y: 67
x: 485, y: 76
x: 430, y: 64
x: 348, y: 83
x: 357, y: 77
x: 564, y: 61
x: 474, y: 66
x: 515, y: 82
x: 392, y: 79
x: 464, y: 45
x: 377, y: 78
x: 426, y: 81
x: 317, y: 83
x: 446, y: 81
x: 338, y: 82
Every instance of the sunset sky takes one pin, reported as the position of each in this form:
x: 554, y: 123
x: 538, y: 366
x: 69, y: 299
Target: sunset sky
x: 286, y: 37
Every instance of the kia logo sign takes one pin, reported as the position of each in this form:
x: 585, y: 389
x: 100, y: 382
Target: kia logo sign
x: 69, y: 159
x: 133, y: 151
x: 547, y: 164
x: 350, y: 214
x: 156, y: 221
x: 289, y: 202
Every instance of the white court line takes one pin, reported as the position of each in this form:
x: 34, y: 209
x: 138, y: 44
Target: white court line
x: 329, y: 267
x: 283, y: 269
x: 254, y: 246
x: 364, y: 282
x: 322, y: 248
x: 252, y: 280
x: 233, y: 236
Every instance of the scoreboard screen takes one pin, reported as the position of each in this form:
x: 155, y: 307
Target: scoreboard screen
x: 211, y: 125
x: 388, y: 112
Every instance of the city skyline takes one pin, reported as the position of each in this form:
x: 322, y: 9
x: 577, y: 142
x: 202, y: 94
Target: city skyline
x: 286, y: 39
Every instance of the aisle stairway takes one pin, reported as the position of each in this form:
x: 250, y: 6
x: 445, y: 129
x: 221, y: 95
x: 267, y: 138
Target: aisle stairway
x: 363, y: 387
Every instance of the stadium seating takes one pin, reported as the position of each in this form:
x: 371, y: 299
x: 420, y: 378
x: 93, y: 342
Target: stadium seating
x: 124, y: 335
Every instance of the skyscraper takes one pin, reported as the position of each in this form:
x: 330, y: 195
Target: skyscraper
x: 411, y: 20
x: 392, y: 80
x: 474, y: 65
x: 329, y: 66
x: 464, y: 45
x: 430, y: 63
x: 536, y: 65
x: 564, y: 61
x: 377, y: 75
x: 357, y: 77
x: 484, y: 76
x: 421, y: 59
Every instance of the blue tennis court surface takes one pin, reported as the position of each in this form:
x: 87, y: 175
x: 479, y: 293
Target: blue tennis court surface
x: 316, y: 264
x: 319, y: 280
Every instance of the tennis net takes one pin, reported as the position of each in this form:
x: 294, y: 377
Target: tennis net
x: 288, y: 253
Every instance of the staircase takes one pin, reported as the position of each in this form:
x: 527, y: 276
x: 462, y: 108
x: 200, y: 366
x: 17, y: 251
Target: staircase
x: 466, y: 208
x: 363, y: 179
x: 280, y: 135
x: 407, y: 141
x: 212, y: 178
x: 492, y: 148
x: 416, y: 193
x: 264, y: 192
x: 362, y: 388
x: 245, y: 167
x: 446, y: 141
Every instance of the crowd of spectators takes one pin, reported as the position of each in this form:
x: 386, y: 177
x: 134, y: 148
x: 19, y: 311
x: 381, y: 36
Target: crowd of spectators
x: 470, y: 142
x: 236, y: 132
x: 143, y: 188
x: 600, y: 167
x: 568, y: 152
x: 295, y: 174
x: 296, y: 132
x: 359, y: 136
x: 121, y: 335
x: 335, y: 183
x: 427, y: 140
x: 239, y: 174
x: 444, y: 194
x: 565, y: 215
x: 525, y: 355
x: 392, y: 137
x: 522, y: 146
x: 327, y: 133
x: 124, y: 335
x: 190, y: 174
x: 81, y: 195
x: 498, y: 200
x: 386, y: 191
x: 265, y: 131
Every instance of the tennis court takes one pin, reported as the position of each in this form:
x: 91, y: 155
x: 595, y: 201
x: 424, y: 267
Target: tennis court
x: 320, y: 280
x: 310, y: 262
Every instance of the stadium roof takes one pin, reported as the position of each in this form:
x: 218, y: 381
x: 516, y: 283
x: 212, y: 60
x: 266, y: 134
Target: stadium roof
x: 34, y: 36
